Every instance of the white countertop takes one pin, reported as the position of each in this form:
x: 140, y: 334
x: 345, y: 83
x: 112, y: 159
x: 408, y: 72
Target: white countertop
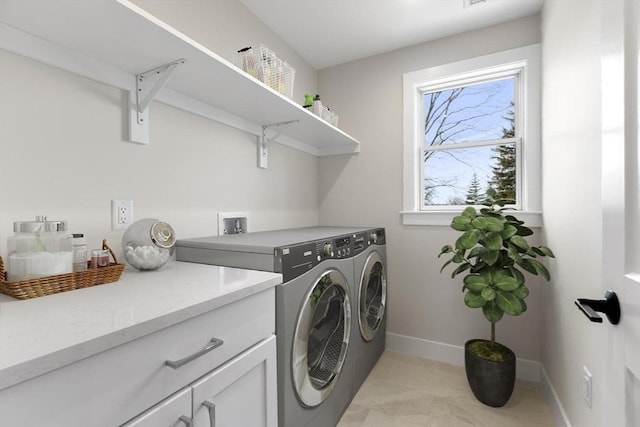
x: 41, y: 334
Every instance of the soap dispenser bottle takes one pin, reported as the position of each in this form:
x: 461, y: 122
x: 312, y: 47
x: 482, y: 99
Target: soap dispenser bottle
x: 317, y: 106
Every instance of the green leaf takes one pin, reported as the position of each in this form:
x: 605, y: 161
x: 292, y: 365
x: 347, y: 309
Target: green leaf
x: 469, y: 212
x: 488, y: 275
x: 475, y: 283
x: 512, y: 219
x: 488, y: 211
x: 445, y: 250
x: 526, y: 265
x: 468, y: 240
x: 492, y: 312
x: 478, y: 250
x: 544, y: 251
x: 513, y: 253
x: 519, y: 242
x: 517, y: 274
x: 457, y: 258
x: 460, y: 269
x: 479, y: 222
x: 500, y: 273
x: 494, y: 214
x: 493, y: 241
x: 488, y: 294
x: 479, y: 267
x: 461, y: 223
x: 502, y: 202
x: 524, y: 231
x: 507, y: 283
x: 540, y: 269
x: 521, y: 292
x: 445, y: 264
x: 508, y: 231
x: 509, y: 303
x: 490, y: 257
x: 474, y: 300
x: 495, y: 224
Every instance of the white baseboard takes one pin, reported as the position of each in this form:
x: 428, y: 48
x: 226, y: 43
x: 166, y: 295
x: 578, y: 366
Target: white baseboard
x: 552, y: 398
x: 528, y: 370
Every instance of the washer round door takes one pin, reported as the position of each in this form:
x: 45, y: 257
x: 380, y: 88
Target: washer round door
x: 321, y: 338
x: 372, y: 296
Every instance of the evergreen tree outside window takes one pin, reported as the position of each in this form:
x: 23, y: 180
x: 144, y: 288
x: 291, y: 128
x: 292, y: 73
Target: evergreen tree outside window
x: 503, y: 179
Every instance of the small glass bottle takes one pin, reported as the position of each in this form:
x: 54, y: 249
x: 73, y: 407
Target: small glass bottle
x: 79, y: 252
x: 99, y: 258
x: 317, y: 106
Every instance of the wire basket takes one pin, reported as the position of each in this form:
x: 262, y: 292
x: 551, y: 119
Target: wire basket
x: 261, y: 63
x: 48, y: 285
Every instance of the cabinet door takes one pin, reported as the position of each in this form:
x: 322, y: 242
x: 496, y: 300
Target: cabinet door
x: 243, y: 392
x: 174, y: 411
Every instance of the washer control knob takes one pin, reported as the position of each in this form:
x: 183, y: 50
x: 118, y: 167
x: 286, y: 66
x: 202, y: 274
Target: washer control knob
x: 374, y: 237
x: 327, y: 249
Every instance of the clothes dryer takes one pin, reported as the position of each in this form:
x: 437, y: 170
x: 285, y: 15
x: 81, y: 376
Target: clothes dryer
x: 314, y: 316
x: 370, y: 302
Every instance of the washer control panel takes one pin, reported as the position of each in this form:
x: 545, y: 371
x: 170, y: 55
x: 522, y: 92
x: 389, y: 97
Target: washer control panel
x: 365, y: 239
x: 298, y: 259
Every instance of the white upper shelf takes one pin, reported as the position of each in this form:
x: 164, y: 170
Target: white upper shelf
x: 113, y: 40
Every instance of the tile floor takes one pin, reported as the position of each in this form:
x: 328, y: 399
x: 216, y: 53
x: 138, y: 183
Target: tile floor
x: 407, y: 391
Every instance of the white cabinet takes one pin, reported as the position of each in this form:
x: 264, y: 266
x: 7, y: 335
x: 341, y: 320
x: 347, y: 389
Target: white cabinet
x: 242, y: 392
x: 172, y: 412
x: 117, y: 385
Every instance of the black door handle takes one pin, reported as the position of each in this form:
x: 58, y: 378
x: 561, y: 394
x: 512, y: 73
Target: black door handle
x: 609, y: 305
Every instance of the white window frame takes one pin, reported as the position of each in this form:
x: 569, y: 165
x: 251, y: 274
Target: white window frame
x: 526, y: 62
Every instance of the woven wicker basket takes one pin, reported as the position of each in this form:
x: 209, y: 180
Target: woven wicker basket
x: 47, y: 285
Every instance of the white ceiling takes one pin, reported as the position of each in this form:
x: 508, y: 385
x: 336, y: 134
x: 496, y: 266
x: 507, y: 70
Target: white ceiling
x: 331, y: 32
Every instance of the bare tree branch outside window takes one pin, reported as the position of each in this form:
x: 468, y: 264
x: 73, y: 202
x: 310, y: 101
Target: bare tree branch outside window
x: 462, y: 130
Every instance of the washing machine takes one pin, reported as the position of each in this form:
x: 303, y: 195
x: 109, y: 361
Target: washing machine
x: 314, y: 312
x: 370, y: 302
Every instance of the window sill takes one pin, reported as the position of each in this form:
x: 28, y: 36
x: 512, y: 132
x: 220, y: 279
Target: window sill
x: 531, y: 219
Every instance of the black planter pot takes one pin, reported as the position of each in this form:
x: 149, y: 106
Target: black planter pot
x: 491, y: 382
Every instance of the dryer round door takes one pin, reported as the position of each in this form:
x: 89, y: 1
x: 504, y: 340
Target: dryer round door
x: 372, y: 296
x: 321, y: 338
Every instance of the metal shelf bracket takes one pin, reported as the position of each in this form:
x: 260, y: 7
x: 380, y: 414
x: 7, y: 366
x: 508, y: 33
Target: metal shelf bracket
x: 264, y: 141
x: 148, y: 84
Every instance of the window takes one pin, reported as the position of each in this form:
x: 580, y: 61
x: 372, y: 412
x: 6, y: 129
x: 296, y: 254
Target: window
x: 470, y: 126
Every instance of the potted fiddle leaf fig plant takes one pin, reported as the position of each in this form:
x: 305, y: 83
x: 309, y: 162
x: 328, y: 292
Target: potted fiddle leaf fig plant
x: 493, y: 254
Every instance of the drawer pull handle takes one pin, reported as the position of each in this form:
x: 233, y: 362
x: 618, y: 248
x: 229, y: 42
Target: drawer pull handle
x: 212, y: 412
x: 188, y: 422
x: 175, y: 364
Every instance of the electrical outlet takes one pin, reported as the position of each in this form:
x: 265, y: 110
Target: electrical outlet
x: 586, y: 385
x: 121, y: 214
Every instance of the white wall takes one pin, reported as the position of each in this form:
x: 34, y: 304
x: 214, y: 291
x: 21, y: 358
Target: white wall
x: 572, y: 199
x: 63, y: 149
x: 367, y: 189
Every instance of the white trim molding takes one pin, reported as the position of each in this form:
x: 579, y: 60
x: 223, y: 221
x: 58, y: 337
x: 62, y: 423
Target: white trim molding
x: 530, y: 205
x: 531, y: 219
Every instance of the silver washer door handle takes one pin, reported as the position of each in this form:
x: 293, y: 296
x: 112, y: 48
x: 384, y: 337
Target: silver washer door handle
x: 175, y: 364
x: 212, y: 412
x: 188, y: 422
